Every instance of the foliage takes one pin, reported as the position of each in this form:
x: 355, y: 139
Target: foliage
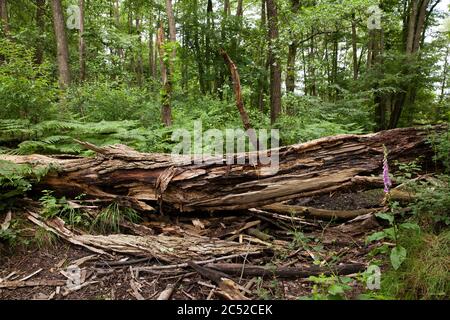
x: 53, y: 207
x: 441, y: 144
x: 424, y: 274
x: 109, y: 219
x: 329, y: 287
x: 26, y: 90
x: 16, y: 179
x: 420, y: 255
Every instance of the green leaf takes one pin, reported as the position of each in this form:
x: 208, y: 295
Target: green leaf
x: 398, y: 255
x: 336, y: 289
x: 390, y: 233
x: 410, y: 226
x: 376, y: 236
x: 386, y: 216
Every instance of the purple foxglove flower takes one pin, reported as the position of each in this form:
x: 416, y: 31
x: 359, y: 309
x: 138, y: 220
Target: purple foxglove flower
x: 386, y: 179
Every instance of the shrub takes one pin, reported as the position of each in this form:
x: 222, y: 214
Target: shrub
x: 25, y: 89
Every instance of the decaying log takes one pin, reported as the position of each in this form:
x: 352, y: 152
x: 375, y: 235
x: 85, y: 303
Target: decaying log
x: 237, y: 269
x: 32, y: 283
x: 229, y: 289
x: 141, y: 180
x: 168, y: 249
x: 317, y: 213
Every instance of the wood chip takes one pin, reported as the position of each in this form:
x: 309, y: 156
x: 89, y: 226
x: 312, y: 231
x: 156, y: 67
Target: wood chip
x: 32, y: 274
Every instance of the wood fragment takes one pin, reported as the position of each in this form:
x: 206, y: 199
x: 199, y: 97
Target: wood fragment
x: 317, y: 213
x: 31, y: 283
x: 31, y: 275
x: 167, y: 292
x: 230, y: 290
x: 168, y: 249
x: 285, y: 272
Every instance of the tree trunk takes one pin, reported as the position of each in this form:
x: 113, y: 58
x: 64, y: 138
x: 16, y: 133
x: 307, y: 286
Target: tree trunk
x: 151, y: 61
x: 275, y: 67
x: 139, y: 64
x: 354, y: 49
x: 415, y: 27
x: 82, y: 45
x: 40, y: 24
x: 172, y: 30
x: 4, y: 16
x: 292, y: 53
x: 139, y: 180
x: 61, y: 44
x: 444, y: 76
x: 239, y: 9
x: 263, y: 63
x: 239, y: 102
x: 166, y: 111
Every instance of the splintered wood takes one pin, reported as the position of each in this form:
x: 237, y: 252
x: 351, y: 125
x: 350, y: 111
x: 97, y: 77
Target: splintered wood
x: 141, y: 181
x: 163, y: 248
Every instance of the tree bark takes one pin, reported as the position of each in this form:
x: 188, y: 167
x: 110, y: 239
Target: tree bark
x: 172, y: 30
x: 275, y: 67
x: 82, y: 44
x: 141, y: 180
x: 40, y: 24
x: 354, y: 49
x: 292, y: 53
x: 236, y: 269
x: 4, y: 16
x: 166, y: 111
x: 264, y: 62
x: 238, y: 96
x: 414, y: 27
x: 61, y: 44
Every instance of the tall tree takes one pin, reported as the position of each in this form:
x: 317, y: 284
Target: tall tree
x: 263, y: 60
x: 292, y: 53
x: 166, y: 110
x: 172, y: 29
x: 275, y: 67
x: 81, y: 44
x: 354, y: 48
x: 61, y: 44
x: 4, y: 16
x: 414, y: 27
x: 40, y: 24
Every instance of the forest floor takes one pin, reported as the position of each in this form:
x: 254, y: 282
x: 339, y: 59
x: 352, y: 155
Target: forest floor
x: 326, y: 244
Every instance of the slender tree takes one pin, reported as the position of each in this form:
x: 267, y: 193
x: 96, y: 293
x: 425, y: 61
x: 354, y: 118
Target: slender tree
x: 81, y: 44
x: 40, y: 24
x: 275, y: 67
x: 4, y: 16
x: 292, y: 53
x: 61, y: 44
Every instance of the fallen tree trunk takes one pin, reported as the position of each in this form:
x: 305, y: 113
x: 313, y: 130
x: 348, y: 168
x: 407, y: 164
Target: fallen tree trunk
x: 317, y: 213
x: 162, y: 247
x: 238, y: 269
x: 141, y: 180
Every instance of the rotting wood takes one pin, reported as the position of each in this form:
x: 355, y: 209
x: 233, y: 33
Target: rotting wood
x: 31, y: 283
x: 237, y: 269
x: 168, y: 249
x: 229, y: 289
x: 309, y: 212
x: 329, y: 164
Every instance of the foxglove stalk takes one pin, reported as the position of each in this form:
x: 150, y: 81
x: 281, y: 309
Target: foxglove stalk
x: 386, y: 179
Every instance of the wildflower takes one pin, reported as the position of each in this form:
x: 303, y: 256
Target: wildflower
x: 386, y: 179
